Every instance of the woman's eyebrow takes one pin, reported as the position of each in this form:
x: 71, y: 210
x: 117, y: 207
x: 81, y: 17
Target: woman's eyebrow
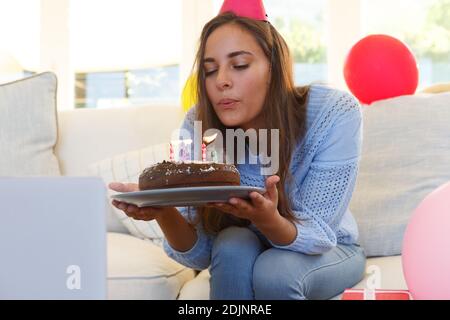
x: 230, y: 55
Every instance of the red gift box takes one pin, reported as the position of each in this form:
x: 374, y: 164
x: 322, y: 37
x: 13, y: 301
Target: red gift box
x: 368, y: 294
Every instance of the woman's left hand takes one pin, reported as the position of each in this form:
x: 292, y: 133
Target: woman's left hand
x: 261, y: 209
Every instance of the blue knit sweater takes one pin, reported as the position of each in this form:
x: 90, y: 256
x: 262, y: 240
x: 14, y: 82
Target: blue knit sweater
x: 323, y: 184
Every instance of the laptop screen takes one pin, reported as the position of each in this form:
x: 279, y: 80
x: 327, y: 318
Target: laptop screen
x: 53, y: 238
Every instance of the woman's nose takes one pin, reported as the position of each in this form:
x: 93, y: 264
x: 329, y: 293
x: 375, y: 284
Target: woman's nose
x: 223, y: 80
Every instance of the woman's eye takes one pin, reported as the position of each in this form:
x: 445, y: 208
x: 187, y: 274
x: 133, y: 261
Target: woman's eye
x: 210, y: 72
x: 241, y: 67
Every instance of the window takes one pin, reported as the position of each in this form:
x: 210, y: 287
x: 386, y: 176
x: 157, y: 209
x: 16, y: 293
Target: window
x: 302, y: 25
x: 127, y: 88
x: 424, y: 25
x: 126, y: 52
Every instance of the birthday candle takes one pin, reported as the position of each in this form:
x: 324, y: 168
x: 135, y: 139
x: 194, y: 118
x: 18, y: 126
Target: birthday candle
x: 171, y: 158
x: 203, y: 152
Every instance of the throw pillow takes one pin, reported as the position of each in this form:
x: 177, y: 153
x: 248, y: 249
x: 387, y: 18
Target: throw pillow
x: 126, y: 168
x: 28, y: 127
x: 405, y: 156
x: 437, y: 88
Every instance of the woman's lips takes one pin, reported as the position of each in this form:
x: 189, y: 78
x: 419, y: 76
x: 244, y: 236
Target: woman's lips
x: 228, y: 103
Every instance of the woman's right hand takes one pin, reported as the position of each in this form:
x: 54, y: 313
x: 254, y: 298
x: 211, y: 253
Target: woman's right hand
x: 146, y: 213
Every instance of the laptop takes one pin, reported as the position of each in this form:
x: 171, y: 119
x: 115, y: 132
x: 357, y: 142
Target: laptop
x: 52, y: 238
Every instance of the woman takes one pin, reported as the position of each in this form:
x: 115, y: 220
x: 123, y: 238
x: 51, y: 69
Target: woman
x: 298, y: 240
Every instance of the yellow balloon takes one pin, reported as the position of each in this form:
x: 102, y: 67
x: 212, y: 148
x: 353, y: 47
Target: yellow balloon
x: 189, y: 94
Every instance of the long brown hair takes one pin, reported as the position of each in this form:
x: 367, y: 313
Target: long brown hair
x: 284, y: 108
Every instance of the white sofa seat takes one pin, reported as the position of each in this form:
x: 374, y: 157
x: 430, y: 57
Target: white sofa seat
x: 137, y: 269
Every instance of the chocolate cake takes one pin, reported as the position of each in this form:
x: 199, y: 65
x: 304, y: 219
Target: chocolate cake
x: 168, y: 174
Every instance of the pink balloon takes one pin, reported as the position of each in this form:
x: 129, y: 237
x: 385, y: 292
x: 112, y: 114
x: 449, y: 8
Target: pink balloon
x: 426, y: 247
x: 380, y: 67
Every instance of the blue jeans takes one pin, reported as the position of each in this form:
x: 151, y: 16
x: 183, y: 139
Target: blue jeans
x: 245, y: 267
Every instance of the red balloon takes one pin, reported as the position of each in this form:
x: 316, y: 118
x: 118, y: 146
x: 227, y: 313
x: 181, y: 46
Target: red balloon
x: 380, y: 67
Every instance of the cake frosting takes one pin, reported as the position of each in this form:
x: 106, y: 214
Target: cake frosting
x: 170, y: 174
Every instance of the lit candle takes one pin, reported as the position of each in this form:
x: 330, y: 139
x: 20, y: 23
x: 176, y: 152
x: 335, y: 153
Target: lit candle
x: 171, y: 158
x: 203, y: 152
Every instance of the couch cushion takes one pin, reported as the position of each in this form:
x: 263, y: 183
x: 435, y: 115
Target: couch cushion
x: 137, y: 269
x: 405, y: 156
x: 381, y: 273
x: 437, y: 88
x: 28, y: 128
x: 89, y: 135
x: 196, y: 289
x: 126, y: 167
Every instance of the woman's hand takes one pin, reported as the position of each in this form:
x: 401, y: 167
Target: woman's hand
x: 261, y: 209
x: 146, y: 214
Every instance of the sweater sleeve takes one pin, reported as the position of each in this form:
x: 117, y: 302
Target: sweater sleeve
x: 199, y: 256
x: 322, y: 198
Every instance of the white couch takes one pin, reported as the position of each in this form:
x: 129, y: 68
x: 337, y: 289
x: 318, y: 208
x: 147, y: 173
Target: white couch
x: 138, y: 269
x: 405, y: 156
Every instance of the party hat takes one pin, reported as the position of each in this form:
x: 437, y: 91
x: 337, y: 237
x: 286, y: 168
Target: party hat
x: 253, y: 9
